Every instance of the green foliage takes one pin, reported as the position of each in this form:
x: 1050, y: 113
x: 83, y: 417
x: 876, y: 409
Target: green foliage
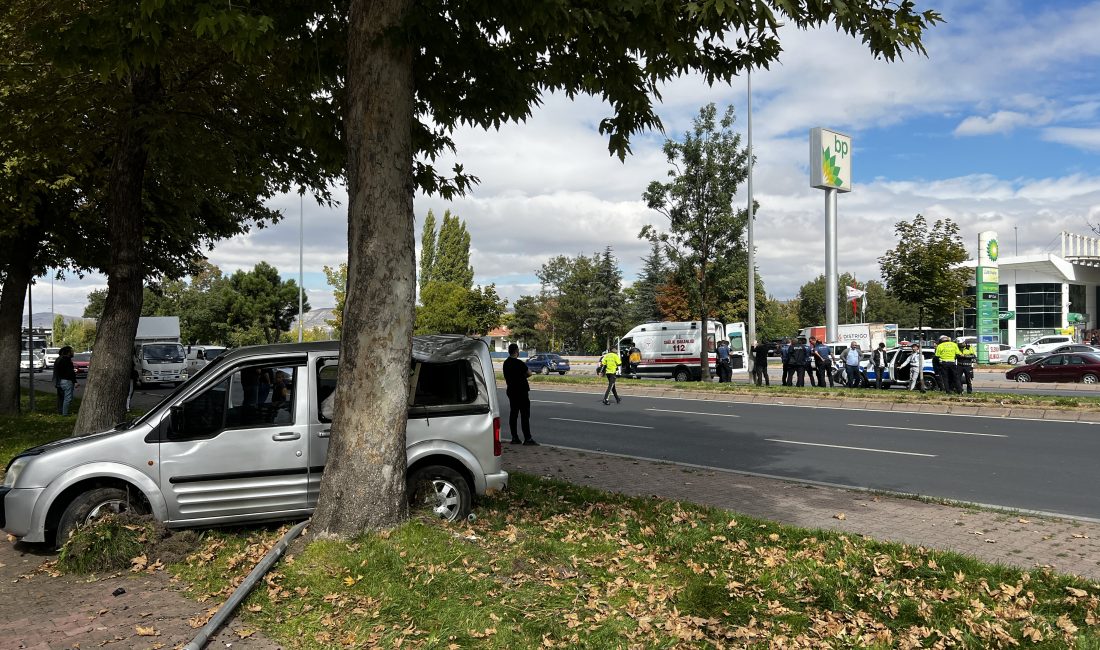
x: 704, y: 241
x: 777, y: 319
x: 450, y: 308
x: 606, y: 302
x: 528, y: 323
x: 94, y: 307
x: 337, y: 279
x: 445, y: 254
x: 923, y: 268
x: 642, y: 305
x: 260, y: 305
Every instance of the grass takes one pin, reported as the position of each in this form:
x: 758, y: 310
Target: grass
x: 555, y: 565
x: 18, y: 432
x: 551, y: 564
x: 893, y: 395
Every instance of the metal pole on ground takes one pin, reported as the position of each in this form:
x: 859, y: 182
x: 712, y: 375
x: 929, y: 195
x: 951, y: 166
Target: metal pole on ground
x: 750, y: 326
x: 30, y: 347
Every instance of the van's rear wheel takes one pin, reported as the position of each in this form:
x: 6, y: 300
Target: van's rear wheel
x: 442, y: 491
x: 681, y: 374
x: 92, y: 505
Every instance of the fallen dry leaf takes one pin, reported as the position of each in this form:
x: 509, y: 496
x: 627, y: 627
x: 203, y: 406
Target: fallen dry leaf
x: 146, y: 631
x: 840, y: 515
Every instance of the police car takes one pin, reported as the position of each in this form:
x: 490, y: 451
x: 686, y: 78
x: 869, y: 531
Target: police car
x: 897, y: 370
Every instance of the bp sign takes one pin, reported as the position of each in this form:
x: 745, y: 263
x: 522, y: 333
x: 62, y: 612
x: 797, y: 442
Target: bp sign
x: 830, y: 160
x: 986, y: 293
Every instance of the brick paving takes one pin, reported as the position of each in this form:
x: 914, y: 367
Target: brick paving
x: 41, y: 612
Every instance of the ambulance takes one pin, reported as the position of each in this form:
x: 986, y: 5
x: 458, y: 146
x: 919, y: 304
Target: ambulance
x: 671, y: 349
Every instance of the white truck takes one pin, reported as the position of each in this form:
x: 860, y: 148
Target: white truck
x: 868, y: 335
x: 158, y: 356
x: 671, y: 348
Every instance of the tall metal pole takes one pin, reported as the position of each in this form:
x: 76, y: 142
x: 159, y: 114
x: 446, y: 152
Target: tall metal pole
x: 750, y: 326
x: 30, y: 346
x: 831, y: 329
x: 301, y: 286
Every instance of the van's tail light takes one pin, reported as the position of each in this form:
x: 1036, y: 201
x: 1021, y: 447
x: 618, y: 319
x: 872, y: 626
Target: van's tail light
x: 496, y: 437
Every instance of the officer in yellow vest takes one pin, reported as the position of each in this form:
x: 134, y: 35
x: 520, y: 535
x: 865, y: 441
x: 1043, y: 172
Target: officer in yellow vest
x: 610, y: 362
x: 947, y: 352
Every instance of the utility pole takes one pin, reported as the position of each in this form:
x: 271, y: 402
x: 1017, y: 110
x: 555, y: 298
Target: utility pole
x: 30, y: 346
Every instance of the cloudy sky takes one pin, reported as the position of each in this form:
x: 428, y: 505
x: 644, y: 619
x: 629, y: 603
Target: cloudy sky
x: 998, y: 128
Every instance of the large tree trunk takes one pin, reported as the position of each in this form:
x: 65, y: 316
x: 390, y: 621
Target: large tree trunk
x: 104, y: 402
x: 364, y: 482
x: 11, y: 316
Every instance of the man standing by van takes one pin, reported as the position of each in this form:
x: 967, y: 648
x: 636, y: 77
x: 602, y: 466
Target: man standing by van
x: 878, y: 360
x: 64, y: 377
x: 725, y: 371
x: 516, y: 373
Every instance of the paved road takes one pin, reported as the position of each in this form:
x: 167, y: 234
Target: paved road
x: 1024, y: 464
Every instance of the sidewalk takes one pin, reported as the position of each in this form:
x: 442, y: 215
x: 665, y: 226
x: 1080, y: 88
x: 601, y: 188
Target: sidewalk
x: 1025, y: 541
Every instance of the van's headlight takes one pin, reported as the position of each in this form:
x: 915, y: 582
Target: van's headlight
x: 14, y: 470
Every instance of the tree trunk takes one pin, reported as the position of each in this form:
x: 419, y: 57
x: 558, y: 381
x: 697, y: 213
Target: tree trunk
x: 11, y: 317
x: 364, y: 481
x: 104, y: 402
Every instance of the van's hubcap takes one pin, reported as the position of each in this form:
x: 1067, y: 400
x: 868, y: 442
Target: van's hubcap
x: 444, y: 499
x: 112, y: 507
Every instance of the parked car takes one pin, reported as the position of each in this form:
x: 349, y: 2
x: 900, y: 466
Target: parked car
x: 1046, y: 344
x: 51, y: 355
x: 26, y: 359
x: 214, y: 452
x: 896, y: 375
x: 81, y: 361
x: 545, y: 364
x: 1081, y: 367
x: 1075, y: 347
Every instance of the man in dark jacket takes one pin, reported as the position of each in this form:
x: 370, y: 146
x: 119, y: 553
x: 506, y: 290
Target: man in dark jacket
x: 64, y: 378
x: 878, y: 360
x: 760, y: 363
x: 516, y: 373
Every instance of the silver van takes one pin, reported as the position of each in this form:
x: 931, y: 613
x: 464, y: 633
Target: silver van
x: 246, y: 439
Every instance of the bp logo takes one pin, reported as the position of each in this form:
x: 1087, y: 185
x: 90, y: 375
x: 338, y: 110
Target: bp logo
x: 992, y: 250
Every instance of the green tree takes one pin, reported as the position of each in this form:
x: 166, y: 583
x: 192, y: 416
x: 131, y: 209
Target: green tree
x: 923, y: 269
x: 260, y: 305
x: 528, y: 324
x: 483, y: 64
x: 811, y: 301
x: 94, y: 307
x: 703, y: 230
x: 642, y: 306
x: 427, y: 251
x: 445, y: 255
x: 337, y: 279
x: 606, y: 301
x: 884, y: 307
x: 450, y: 308
x: 175, y: 121
x: 779, y: 319
x: 485, y: 310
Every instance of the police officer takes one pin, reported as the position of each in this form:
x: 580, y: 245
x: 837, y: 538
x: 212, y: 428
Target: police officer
x: 947, y: 352
x: 966, y: 359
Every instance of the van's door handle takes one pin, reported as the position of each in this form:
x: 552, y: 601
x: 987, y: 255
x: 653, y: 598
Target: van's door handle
x: 324, y: 433
x: 288, y: 435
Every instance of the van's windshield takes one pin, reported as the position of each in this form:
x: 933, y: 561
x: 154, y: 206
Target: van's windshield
x: 172, y: 352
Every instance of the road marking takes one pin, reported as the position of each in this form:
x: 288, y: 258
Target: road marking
x: 828, y: 408
x: 958, y: 433
x: 549, y: 401
x: 720, y: 415
x: 880, y: 451
x: 609, y: 424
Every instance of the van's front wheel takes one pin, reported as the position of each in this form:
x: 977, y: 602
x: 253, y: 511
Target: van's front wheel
x: 441, y: 490
x: 92, y: 505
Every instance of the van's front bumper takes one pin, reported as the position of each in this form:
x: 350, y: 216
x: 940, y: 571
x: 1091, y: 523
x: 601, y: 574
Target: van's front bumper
x: 497, y: 481
x: 17, y: 512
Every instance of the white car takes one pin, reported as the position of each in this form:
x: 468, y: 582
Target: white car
x: 1038, y: 346
x: 51, y: 356
x: 25, y: 361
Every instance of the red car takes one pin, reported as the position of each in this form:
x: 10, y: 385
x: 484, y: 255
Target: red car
x: 1083, y: 367
x: 80, y: 363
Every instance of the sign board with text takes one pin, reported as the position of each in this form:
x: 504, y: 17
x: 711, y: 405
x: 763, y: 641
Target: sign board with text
x: 987, y: 279
x: 830, y: 160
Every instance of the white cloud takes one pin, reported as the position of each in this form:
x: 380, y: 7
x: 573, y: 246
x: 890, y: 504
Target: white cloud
x: 1081, y: 138
x: 999, y: 122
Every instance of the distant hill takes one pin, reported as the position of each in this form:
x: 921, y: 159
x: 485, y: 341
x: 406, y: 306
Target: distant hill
x: 315, y: 318
x: 44, y: 319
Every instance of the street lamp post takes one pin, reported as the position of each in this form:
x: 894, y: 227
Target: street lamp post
x: 301, y: 286
x: 750, y: 326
